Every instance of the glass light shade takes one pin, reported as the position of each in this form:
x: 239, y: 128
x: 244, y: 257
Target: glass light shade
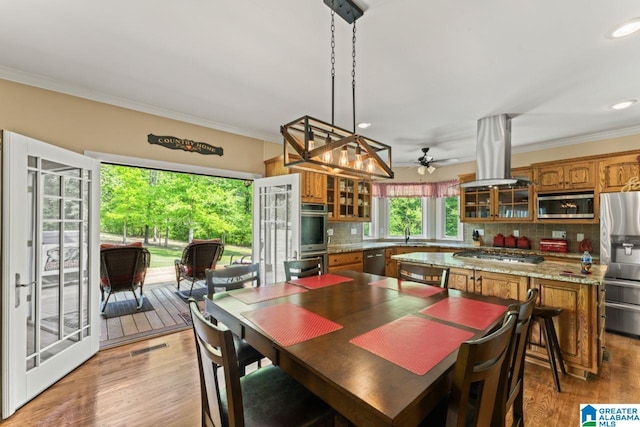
x: 344, y: 157
x: 371, y: 167
x: 421, y: 170
x: 358, y: 162
x: 431, y: 169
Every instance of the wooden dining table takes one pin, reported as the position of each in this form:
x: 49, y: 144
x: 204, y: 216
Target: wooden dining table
x: 364, y: 360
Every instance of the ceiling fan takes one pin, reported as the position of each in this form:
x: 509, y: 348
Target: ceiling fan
x: 428, y: 163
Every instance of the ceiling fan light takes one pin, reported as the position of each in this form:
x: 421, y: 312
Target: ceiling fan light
x: 626, y: 29
x: 431, y: 169
x: 421, y: 170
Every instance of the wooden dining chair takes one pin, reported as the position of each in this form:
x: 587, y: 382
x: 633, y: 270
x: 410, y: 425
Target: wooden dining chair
x: 479, y: 369
x: 197, y: 256
x: 297, y: 268
x: 510, y: 393
x: 228, y: 279
x: 266, y: 397
x: 429, y: 275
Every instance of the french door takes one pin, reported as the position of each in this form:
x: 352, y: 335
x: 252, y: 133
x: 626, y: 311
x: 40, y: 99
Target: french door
x: 276, y: 224
x: 50, y: 267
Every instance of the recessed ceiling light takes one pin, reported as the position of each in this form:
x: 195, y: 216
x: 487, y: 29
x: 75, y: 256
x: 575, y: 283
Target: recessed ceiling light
x: 624, y: 104
x: 626, y: 29
x: 363, y: 125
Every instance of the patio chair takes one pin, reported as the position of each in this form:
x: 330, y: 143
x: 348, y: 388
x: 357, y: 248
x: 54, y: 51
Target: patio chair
x: 123, y: 268
x: 197, y: 257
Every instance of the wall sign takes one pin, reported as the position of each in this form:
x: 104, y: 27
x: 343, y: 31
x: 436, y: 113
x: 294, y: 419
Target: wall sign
x: 632, y: 185
x: 184, y: 144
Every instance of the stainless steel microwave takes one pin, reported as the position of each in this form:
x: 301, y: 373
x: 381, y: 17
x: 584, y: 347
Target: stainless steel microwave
x: 566, y: 206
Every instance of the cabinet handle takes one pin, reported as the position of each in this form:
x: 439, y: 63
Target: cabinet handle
x: 479, y: 279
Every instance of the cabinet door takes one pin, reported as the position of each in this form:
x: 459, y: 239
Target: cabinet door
x: 572, y: 325
x: 501, y: 285
x: 615, y: 172
x: 363, y: 201
x: 581, y: 175
x: 345, y: 261
x: 346, y: 194
x: 550, y: 178
x: 461, y: 279
x: 313, y: 187
x: 513, y: 204
x: 476, y: 205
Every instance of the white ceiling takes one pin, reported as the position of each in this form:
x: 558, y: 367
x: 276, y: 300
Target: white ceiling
x: 427, y: 70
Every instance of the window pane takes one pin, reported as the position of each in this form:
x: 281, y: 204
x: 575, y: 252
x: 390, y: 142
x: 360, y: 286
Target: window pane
x: 403, y: 212
x: 451, y: 216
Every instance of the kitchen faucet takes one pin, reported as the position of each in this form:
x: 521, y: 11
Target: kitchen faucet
x: 407, y: 233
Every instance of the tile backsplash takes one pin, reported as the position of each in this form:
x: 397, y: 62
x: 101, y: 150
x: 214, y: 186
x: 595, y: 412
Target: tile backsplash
x: 342, y: 232
x: 535, y: 232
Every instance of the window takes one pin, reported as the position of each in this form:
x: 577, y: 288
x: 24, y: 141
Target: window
x: 427, y: 218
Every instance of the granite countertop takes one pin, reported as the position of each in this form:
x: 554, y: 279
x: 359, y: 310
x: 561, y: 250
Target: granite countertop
x: 552, y: 270
x: 337, y: 249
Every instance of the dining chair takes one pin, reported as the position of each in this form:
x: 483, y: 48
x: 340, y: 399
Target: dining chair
x: 298, y: 268
x: 511, y: 390
x: 228, y: 279
x: 197, y: 256
x: 479, y: 369
x: 123, y: 268
x: 266, y: 397
x: 428, y: 275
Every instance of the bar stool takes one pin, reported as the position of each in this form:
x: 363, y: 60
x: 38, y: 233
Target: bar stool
x: 544, y: 316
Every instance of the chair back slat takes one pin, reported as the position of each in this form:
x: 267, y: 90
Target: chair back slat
x: 232, y: 277
x: 428, y: 275
x: 197, y: 257
x: 296, y: 269
x: 477, y: 375
x: 215, y: 347
x: 123, y: 267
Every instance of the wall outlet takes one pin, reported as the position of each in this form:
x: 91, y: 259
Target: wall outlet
x: 480, y: 231
x: 354, y: 231
x: 516, y: 233
x: 580, y: 237
x: 330, y: 232
x: 559, y: 234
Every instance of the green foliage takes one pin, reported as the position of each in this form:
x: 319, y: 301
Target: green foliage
x: 451, y: 216
x: 405, y: 211
x: 175, y: 203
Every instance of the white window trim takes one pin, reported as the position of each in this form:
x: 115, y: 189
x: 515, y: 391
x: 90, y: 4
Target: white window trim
x: 440, y: 221
x: 375, y: 220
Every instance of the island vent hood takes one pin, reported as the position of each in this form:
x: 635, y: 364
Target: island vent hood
x: 493, y: 154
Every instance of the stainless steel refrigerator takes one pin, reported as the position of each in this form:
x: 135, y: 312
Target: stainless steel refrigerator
x: 620, y: 250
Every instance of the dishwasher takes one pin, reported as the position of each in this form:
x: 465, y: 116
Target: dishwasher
x: 374, y: 261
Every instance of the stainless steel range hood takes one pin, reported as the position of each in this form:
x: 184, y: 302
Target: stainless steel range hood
x: 493, y: 154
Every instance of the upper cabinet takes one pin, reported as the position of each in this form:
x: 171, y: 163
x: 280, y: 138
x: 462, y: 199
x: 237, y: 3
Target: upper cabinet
x: 617, y: 171
x: 348, y: 199
x: 313, y: 186
x: 508, y: 204
x: 570, y: 176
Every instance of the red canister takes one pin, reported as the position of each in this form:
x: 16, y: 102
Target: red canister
x: 498, y: 240
x: 510, y: 241
x: 524, y: 243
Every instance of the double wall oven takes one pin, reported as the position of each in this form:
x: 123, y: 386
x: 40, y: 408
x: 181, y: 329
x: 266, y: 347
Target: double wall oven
x: 313, y: 232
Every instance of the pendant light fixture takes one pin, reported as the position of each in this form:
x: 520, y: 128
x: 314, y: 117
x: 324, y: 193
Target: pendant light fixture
x: 309, y: 143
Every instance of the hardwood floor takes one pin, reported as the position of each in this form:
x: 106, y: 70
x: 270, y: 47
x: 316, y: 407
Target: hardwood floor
x: 159, y: 386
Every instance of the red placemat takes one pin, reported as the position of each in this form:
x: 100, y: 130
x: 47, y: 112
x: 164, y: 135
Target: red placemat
x: 290, y: 324
x: 321, y: 281
x: 408, y: 287
x: 464, y: 311
x: 414, y: 343
x: 264, y: 293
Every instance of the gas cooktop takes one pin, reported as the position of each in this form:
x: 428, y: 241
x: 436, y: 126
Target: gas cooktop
x: 503, y: 257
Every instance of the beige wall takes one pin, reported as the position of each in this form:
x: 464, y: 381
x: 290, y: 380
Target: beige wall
x: 612, y: 145
x: 82, y: 125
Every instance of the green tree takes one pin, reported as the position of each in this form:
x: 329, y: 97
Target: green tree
x: 403, y: 212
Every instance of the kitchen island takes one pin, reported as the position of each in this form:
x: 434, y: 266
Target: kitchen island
x: 580, y: 326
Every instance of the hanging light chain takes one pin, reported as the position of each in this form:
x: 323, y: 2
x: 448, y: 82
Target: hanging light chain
x: 353, y: 75
x: 333, y: 66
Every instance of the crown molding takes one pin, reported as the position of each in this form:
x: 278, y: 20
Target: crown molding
x: 47, y: 83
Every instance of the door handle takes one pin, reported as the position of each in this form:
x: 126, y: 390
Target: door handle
x: 21, y: 285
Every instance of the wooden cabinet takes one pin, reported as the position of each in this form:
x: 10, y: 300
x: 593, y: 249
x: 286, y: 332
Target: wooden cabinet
x: 615, y: 172
x: 576, y: 326
x: 348, y: 199
x: 313, y: 185
x: 462, y: 279
x: 483, y: 204
x: 579, y: 175
x: 501, y: 285
x: 345, y: 261
x: 391, y: 265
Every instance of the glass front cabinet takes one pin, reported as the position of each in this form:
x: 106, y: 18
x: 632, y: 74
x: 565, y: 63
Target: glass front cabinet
x: 348, y: 199
x: 508, y: 204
